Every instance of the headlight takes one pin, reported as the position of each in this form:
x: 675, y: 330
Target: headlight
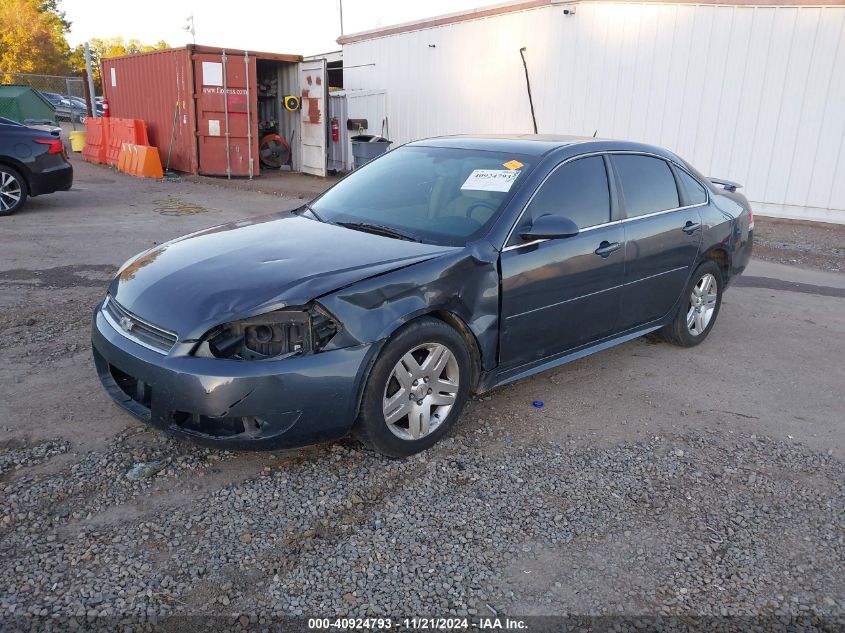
x: 274, y: 335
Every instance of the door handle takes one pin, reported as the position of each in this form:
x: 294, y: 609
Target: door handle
x: 606, y: 248
x: 691, y: 227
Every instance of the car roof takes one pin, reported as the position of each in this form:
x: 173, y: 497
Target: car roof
x: 538, y: 144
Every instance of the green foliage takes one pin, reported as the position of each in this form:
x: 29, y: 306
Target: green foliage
x: 32, y: 37
x: 110, y: 47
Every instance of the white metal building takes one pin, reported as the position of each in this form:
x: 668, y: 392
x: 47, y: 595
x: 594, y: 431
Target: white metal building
x: 749, y: 91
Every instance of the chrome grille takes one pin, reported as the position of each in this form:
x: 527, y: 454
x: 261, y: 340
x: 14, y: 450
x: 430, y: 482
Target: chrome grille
x: 136, y: 329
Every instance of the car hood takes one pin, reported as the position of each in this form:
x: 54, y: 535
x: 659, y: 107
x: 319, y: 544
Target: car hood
x: 244, y: 268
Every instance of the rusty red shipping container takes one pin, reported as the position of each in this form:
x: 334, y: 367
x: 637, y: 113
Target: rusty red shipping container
x: 200, y: 95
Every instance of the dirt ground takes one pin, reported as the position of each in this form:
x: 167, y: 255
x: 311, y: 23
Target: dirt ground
x: 806, y: 244
x: 770, y: 376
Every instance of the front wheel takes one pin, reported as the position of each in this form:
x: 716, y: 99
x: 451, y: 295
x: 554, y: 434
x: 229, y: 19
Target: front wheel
x: 699, y: 307
x: 416, y: 390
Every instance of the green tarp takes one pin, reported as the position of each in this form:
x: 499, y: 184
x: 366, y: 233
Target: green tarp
x: 20, y: 103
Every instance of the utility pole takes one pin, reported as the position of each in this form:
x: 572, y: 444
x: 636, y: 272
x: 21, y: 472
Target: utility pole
x: 93, y: 103
x: 340, y: 4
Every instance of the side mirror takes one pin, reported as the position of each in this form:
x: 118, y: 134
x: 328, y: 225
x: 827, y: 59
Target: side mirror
x: 548, y: 227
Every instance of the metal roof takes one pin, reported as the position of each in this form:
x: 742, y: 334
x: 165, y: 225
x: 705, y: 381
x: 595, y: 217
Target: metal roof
x: 523, y: 5
x: 215, y: 50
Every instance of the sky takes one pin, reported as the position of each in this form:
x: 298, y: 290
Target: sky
x: 303, y: 27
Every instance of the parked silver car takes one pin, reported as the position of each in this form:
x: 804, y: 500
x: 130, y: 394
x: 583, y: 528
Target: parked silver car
x: 69, y: 108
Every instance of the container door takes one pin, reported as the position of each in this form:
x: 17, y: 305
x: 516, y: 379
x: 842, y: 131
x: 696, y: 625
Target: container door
x: 338, y: 150
x: 226, y: 86
x: 312, y: 80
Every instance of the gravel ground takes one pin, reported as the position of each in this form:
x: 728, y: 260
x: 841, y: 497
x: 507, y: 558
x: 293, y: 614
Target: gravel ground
x: 748, y: 526
x: 654, y: 482
x: 808, y: 244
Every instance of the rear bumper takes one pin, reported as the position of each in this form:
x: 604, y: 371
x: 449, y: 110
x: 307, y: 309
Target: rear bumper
x: 58, y: 178
x: 241, y: 405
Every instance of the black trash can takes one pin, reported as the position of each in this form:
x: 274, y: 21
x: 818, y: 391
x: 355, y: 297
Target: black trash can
x: 365, y: 147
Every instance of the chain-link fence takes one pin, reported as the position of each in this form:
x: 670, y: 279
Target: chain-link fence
x: 65, y: 94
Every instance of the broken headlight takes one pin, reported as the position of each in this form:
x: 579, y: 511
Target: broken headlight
x: 274, y: 335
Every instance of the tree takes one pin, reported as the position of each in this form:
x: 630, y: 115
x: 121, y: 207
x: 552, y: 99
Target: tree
x: 110, y: 47
x: 33, y: 40
x: 32, y: 37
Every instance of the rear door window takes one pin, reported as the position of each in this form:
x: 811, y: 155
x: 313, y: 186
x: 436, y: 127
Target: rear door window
x: 647, y: 184
x: 693, y: 190
x: 577, y: 190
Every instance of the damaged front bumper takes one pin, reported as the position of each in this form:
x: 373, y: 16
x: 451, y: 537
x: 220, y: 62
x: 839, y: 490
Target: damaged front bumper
x: 233, y: 404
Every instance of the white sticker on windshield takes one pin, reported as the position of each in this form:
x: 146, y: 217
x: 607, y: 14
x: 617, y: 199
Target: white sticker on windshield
x: 490, y: 180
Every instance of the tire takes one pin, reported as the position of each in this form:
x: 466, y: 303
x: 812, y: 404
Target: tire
x: 394, y: 425
x: 694, y: 320
x: 13, y: 190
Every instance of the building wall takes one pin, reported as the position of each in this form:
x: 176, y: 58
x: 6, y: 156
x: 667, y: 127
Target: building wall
x: 755, y: 94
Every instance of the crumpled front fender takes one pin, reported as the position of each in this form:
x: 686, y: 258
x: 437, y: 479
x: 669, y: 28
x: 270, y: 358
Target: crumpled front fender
x: 465, y: 284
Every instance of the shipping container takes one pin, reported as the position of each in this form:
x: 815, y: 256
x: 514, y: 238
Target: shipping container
x: 222, y: 112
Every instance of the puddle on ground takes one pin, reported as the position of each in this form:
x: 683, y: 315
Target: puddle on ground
x: 174, y: 205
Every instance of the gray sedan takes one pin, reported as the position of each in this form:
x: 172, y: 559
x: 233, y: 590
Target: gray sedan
x: 446, y: 267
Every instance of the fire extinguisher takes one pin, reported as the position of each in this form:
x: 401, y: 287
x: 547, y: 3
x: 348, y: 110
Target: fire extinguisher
x: 106, y: 113
x: 335, y: 130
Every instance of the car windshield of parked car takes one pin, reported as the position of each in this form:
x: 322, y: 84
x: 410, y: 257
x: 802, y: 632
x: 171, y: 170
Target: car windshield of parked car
x: 435, y: 194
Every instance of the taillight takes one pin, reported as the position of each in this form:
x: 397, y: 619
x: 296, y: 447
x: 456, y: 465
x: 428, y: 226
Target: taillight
x: 750, y: 219
x: 56, y: 145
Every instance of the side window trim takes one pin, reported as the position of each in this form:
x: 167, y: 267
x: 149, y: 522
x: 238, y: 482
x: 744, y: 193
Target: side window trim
x: 682, y: 192
x: 618, y: 213
x: 612, y: 191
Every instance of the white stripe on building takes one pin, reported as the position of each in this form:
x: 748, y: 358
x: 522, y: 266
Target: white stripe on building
x: 752, y: 93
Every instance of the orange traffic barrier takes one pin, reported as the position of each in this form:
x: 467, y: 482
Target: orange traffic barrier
x: 140, y: 160
x: 123, y: 157
x: 132, y: 166
x: 148, y: 163
x: 120, y: 131
x: 95, y: 140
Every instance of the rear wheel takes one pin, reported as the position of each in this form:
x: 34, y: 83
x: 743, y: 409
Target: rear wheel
x: 416, y: 389
x: 699, y: 307
x: 13, y: 190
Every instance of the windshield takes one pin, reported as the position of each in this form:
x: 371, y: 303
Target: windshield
x: 436, y: 194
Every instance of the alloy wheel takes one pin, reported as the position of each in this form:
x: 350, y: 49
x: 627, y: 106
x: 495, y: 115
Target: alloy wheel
x: 421, y: 390
x: 10, y: 191
x: 702, y: 304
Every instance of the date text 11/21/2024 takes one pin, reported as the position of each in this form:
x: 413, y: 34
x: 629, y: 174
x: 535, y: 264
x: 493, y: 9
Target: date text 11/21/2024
x: 417, y: 624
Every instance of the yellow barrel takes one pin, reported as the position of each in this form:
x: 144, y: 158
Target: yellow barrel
x: 77, y: 140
